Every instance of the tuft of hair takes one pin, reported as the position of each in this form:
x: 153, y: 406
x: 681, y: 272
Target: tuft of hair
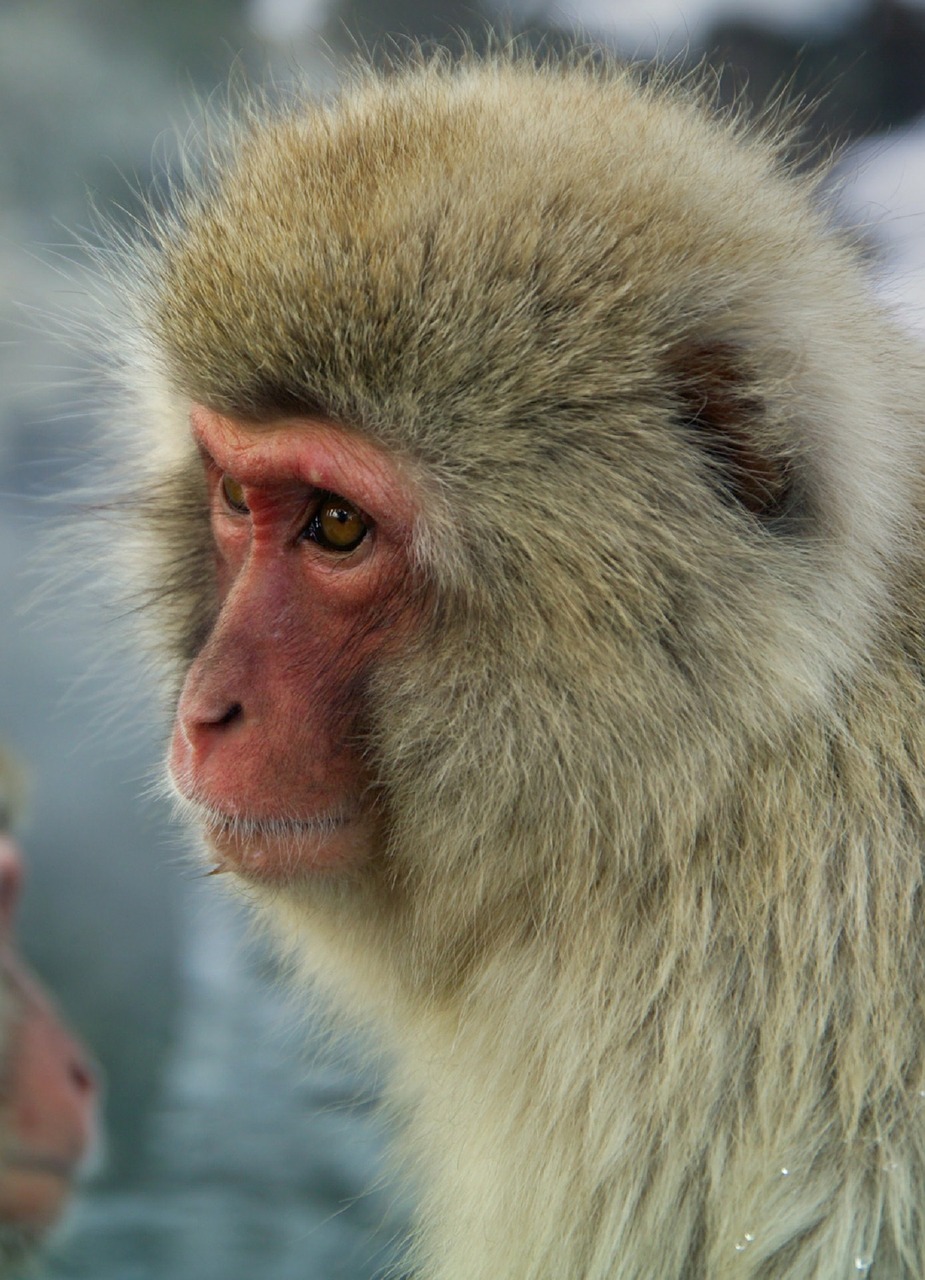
x: 647, y: 935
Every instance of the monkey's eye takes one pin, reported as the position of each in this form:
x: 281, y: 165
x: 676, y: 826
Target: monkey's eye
x: 233, y: 496
x: 337, y: 525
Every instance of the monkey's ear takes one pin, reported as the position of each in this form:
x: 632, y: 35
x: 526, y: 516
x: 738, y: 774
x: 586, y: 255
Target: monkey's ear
x: 725, y: 416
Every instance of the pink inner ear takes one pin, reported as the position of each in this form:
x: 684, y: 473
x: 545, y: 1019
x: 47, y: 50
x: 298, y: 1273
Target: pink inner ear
x: 718, y: 404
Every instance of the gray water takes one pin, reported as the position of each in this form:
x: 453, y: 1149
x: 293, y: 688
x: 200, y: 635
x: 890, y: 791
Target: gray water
x: 256, y: 1166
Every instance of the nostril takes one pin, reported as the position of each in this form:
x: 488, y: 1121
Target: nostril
x: 10, y: 880
x: 201, y: 727
x: 234, y: 712
x: 81, y: 1077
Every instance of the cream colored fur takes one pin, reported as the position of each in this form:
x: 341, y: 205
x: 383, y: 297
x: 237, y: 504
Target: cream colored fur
x: 646, y: 937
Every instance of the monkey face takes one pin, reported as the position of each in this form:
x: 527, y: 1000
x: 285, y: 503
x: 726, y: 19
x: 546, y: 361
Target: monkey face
x: 310, y: 527
x: 47, y: 1090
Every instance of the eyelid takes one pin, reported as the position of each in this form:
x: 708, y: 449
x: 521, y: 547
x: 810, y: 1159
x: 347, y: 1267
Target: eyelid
x: 315, y: 500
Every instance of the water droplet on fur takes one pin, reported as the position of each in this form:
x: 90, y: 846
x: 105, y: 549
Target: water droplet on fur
x: 863, y: 1263
x: 785, y: 1172
x: 742, y: 1245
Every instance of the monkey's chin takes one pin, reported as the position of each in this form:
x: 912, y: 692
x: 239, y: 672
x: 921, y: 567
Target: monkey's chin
x: 33, y: 1190
x: 277, y: 851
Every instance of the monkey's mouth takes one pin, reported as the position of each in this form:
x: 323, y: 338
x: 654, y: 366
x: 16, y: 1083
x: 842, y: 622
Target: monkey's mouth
x: 40, y: 1163
x: 34, y: 1187
x: 279, y: 849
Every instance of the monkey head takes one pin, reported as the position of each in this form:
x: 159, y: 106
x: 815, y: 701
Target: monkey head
x: 506, y: 478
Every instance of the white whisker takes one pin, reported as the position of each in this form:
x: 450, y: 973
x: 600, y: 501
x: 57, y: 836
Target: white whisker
x: 248, y: 828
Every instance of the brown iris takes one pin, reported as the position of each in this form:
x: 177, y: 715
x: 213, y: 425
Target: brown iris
x: 233, y: 496
x: 337, y: 525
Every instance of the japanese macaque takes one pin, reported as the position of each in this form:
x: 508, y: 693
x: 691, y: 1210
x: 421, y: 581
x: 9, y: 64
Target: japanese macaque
x: 47, y: 1087
x: 529, y: 508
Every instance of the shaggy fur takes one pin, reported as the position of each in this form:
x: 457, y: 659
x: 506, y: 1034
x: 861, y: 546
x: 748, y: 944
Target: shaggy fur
x: 646, y: 934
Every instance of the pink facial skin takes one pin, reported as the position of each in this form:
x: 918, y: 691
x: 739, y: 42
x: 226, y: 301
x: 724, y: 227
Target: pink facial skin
x: 48, y: 1096
x: 265, y: 741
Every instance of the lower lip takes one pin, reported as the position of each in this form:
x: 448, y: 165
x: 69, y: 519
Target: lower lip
x: 285, y: 857
x: 46, y: 1166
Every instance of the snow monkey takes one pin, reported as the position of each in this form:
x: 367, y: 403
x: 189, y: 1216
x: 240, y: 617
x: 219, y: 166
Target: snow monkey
x: 529, y: 505
x: 47, y: 1088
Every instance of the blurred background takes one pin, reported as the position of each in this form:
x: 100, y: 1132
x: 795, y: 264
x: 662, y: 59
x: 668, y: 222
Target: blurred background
x: 239, y: 1144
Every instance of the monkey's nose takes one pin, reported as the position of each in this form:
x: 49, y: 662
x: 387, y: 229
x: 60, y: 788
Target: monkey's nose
x: 78, y: 1079
x: 59, y: 1083
x: 199, y: 724
x: 11, y: 875
x: 202, y: 726
x: 82, y: 1076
